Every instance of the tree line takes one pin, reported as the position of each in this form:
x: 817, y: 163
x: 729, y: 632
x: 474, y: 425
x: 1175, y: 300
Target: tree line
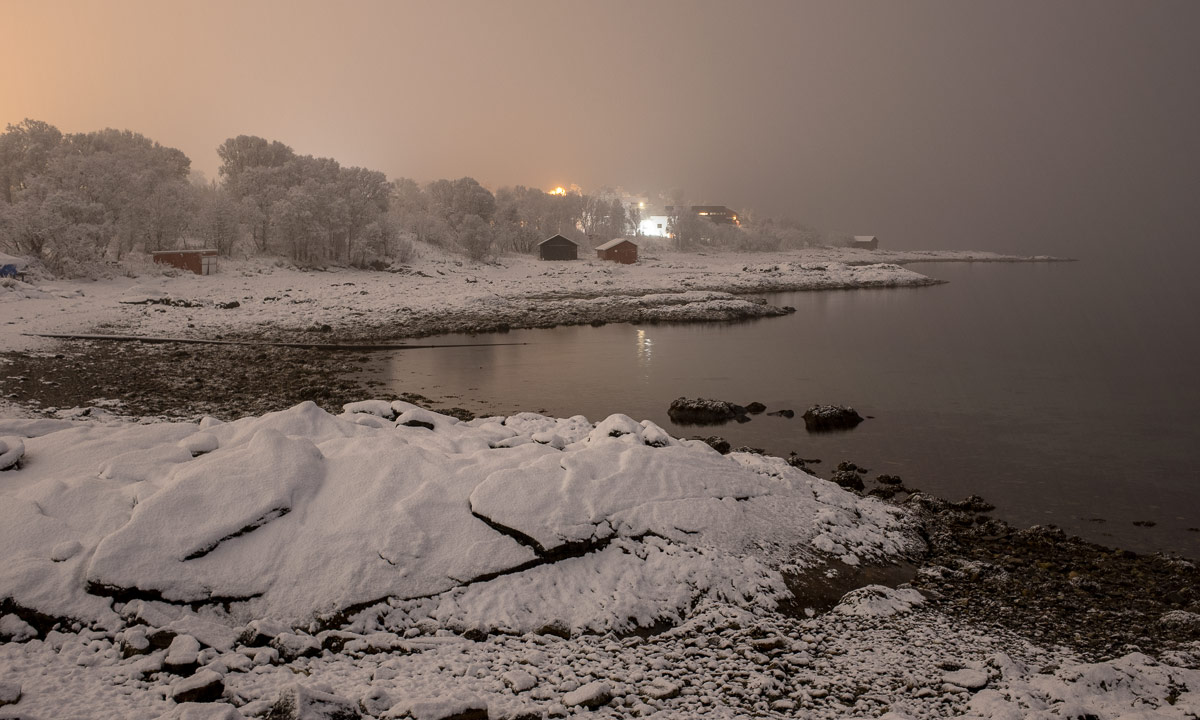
x: 74, y: 200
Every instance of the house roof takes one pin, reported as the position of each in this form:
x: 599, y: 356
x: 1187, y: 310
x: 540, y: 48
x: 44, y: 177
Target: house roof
x: 558, y: 237
x: 613, y: 243
x: 864, y: 238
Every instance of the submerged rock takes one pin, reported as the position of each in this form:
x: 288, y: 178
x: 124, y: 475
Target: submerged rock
x: 755, y: 407
x: 702, y: 411
x: 821, y: 418
x: 849, y: 480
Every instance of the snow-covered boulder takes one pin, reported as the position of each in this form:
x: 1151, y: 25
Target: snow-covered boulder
x: 511, y: 523
x: 879, y: 601
x: 11, y: 451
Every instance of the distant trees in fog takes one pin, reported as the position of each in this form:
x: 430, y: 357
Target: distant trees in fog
x: 75, y: 200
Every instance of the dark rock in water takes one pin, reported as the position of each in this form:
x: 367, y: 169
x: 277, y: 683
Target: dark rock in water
x: 849, y: 480
x: 783, y: 413
x: 717, y: 443
x: 821, y: 418
x: 974, y: 503
x: 702, y: 411
x: 751, y: 450
x: 802, y: 463
x: 846, y: 465
x: 460, y: 413
x: 755, y: 408
x: 1144, y: 523
x: 302, y: 703
x: 888, y: 479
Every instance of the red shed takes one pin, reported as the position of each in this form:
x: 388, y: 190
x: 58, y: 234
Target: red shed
x: 619, y: 250
x: 201, y: 262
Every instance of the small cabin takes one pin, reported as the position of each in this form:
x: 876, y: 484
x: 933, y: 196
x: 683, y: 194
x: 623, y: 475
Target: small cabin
x: 619, y: 250
x: 865, y: 242
x: 201, y: 262
x: 558, y: 248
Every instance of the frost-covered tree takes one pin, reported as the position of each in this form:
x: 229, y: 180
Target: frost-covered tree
x: 475, y: 236
x: 25, y: 150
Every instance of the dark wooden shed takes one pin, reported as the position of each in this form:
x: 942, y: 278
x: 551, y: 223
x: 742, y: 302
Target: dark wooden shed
x: 201, y: 262
x: 865, y: 242
x: 619, y: 250
x: 558, y: 248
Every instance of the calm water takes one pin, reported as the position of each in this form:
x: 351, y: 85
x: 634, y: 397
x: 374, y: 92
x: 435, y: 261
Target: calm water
x: 1064, y: 393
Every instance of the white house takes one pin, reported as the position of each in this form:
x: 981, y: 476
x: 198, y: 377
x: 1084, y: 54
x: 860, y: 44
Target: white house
x: 654, y: 226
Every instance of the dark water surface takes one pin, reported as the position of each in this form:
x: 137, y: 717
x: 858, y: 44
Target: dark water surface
x: 1064, y: 393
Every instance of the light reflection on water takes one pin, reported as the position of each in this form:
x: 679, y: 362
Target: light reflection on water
x: 1056, y: 392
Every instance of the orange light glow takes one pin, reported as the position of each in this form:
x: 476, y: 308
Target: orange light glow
x: 558, y: 191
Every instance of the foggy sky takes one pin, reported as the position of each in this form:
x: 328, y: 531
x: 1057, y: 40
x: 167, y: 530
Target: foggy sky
x: 1022, y: 126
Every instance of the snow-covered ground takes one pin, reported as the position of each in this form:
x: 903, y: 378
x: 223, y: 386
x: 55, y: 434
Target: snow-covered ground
x: 394, y: 562
x: 438, y: 293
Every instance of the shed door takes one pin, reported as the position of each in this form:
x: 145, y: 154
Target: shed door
x: 208, y: 264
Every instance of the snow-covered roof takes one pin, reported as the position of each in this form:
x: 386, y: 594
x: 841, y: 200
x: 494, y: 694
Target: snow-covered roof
x: 20, y: 262
x: 613, y: 243
x: 864, y: 238
x: 557, y: 237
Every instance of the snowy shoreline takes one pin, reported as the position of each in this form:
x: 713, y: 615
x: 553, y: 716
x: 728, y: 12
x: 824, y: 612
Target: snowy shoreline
x: 212, y: 558
x: 439, y: 294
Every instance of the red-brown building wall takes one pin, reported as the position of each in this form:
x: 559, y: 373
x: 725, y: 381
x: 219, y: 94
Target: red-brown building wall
x: 185, y: 259
x: 624, y: 253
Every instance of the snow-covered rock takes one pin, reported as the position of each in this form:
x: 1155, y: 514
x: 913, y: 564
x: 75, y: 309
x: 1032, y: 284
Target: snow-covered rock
x: 300, y: 702
x: 204, y: 686
x: 879, y: 601
x: 14, y: 629
x: 10, y: 693
x: 593, y: 695
x: 498, y: 523
x: 968, y: 678
x: 12, y: 449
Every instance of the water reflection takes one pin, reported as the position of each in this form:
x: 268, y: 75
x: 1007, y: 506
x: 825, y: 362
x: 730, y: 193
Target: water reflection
x: 644, y: 347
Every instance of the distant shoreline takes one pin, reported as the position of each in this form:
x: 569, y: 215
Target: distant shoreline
x: 440, y: 294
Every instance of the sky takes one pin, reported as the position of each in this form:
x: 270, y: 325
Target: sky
x: 1066, y: 127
